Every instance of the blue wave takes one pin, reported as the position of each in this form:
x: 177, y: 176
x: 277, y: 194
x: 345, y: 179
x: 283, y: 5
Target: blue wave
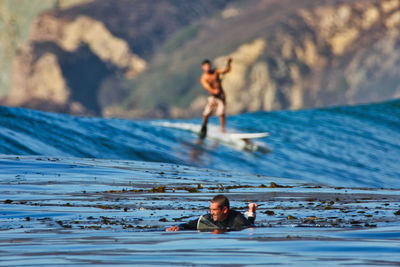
x: 343, y: 146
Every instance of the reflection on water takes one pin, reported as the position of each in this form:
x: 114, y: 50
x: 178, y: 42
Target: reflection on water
x: 198, y: 149
x: 259, y: 246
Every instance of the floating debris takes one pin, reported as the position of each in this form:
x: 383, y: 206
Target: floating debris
x: 269, y: 212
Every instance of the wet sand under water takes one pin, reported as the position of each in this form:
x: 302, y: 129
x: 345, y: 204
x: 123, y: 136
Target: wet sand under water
x: 72, y: 211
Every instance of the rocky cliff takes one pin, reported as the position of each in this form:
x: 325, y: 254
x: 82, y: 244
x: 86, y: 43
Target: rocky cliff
x: 345, y: 53
x: 16, y: 18
x: 141, y: 58
x: 62, y: 66
x: 76, y: 58
x: 287, y: 55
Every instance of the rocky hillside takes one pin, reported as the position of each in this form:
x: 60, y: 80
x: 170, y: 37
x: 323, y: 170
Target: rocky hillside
x: 16, y: 18
x: 141, y: 58
x: 75, y: 54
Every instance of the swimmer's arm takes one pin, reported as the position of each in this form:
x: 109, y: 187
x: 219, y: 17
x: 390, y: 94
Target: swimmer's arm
x: 227, y: 68
x: 191, y: 225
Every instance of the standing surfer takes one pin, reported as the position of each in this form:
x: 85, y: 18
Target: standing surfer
x: 211, y: 81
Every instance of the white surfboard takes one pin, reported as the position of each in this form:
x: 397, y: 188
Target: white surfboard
x: 237, y: 140
x: 247, y: 136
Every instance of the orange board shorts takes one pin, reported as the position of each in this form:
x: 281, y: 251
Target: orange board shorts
x: 214, y: 105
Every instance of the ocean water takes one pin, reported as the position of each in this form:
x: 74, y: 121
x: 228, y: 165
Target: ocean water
x: 342, y: 146
x: 91, y: 191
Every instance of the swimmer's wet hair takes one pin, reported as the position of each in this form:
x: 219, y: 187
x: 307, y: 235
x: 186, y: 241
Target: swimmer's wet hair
x: 206, y: 61
x: 222, y: 201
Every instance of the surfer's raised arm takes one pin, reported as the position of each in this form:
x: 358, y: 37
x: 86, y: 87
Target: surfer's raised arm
x: 220, y: 218
x: 227, y: 68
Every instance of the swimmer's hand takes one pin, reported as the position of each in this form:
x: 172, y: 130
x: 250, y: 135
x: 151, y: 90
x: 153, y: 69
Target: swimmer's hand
x: 253, y: 207
x: 252, y: 210
x: 172, y: 229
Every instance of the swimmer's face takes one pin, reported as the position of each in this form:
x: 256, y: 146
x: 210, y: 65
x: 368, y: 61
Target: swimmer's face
x: 219, y: 214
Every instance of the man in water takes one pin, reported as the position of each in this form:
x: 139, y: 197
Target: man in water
x: 221, y: 218
x: 210, y: 80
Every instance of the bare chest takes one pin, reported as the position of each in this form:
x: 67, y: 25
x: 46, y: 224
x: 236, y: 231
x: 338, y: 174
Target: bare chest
x: 213, y: 78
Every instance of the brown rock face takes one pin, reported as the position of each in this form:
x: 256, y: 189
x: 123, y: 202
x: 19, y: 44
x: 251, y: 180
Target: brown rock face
x: 141, y: 58
x: 65, y: 62
x: 286, y: 55
x: 331, y: 54
x: 74, y: 55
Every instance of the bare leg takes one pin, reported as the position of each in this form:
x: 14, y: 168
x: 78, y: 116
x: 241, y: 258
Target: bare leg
x: 205, y: 120
x: 203, y: 131
x: 222, y: 122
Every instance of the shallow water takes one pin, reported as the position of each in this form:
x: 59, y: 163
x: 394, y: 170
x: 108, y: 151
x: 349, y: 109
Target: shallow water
x: 71, y: 211
x: 259, y: 246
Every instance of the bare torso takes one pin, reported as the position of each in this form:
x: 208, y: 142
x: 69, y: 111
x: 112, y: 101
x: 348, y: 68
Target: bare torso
x: 214, y: 81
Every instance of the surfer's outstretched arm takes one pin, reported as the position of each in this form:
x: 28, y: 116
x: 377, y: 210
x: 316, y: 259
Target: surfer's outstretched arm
x: 227, y: 68
x: 191, y: 225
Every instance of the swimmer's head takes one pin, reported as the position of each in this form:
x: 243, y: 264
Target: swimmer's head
x: 219, y: 208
